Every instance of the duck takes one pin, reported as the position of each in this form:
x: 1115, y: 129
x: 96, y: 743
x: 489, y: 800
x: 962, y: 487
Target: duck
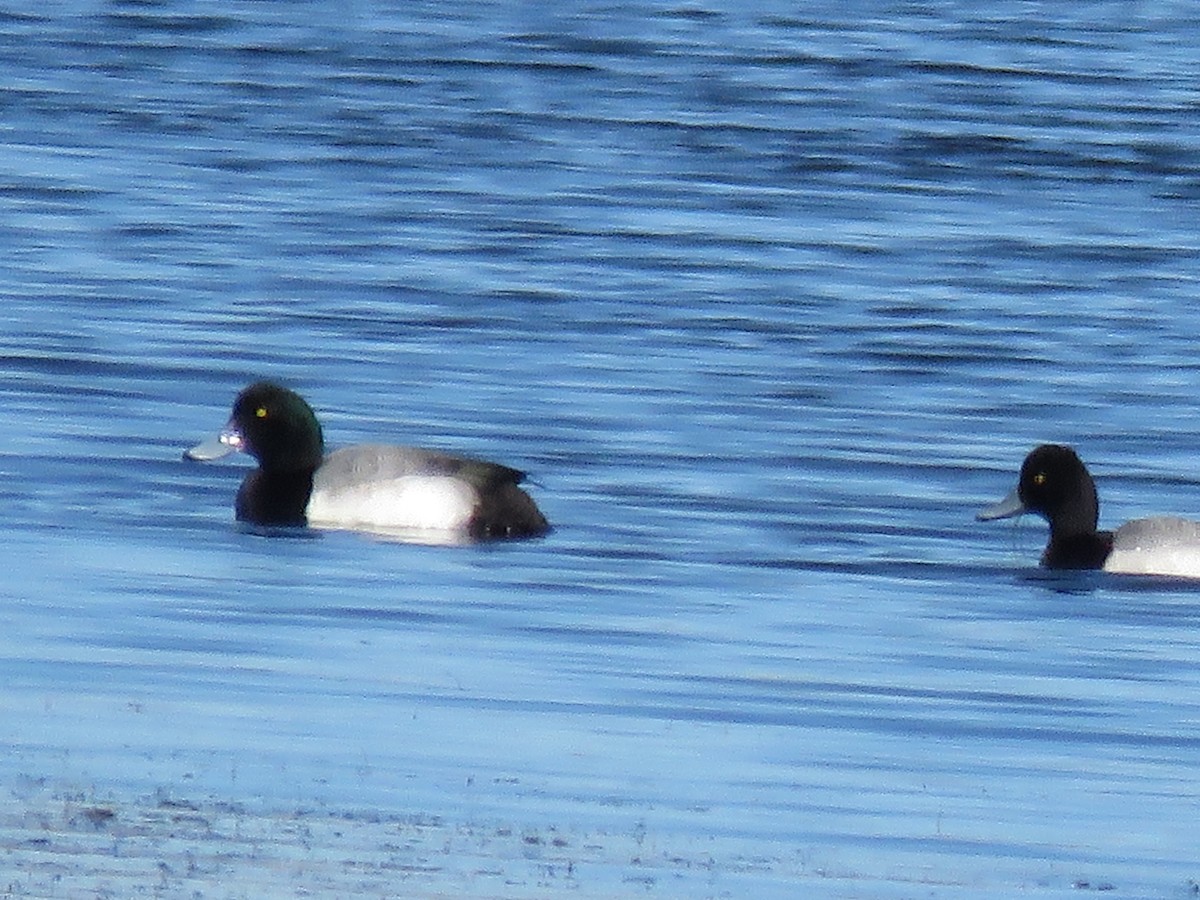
x: 1055, y: 484
x: 366, y: 487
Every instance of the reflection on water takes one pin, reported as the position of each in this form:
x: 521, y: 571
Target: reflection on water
x: 770, y: 305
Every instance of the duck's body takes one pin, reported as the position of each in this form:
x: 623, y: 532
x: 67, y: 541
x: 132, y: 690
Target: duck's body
x: 1161, y: 545
x: 1055, y: 484
x: 372, y: 487
x: 406, y: 487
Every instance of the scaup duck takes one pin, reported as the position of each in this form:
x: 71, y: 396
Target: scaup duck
x: 369, y: 487
x: 1055, y: 484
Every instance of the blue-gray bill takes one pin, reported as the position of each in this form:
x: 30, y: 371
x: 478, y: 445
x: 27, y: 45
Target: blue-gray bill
x: 1007, y: 508
x: 228, y: 441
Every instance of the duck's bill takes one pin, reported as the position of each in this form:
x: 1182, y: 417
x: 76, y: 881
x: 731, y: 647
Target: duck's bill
x: 228, y: 441
x: 1007, y: 508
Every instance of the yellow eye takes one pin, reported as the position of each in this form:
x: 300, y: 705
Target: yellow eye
x: 261, y: 412
x: 1039, y: 479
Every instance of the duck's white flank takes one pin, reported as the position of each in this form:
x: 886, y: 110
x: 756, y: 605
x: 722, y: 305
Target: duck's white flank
x: 422, y: 502
x: 379, y: 486
x: 1162, y: 545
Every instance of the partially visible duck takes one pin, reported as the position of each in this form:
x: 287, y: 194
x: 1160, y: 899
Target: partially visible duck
x: 369, y: 487
x: 1055, y: 484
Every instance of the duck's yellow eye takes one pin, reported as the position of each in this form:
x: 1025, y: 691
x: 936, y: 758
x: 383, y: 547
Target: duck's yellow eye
x: 1039, y: 479
x: 261, y: 412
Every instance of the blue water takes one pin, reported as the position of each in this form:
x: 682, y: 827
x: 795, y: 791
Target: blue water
x: 768, y: 301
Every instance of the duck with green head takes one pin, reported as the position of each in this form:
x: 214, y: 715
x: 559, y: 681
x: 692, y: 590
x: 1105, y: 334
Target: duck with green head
x: 370, y: 487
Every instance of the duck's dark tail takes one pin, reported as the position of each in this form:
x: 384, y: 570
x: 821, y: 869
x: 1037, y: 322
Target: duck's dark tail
x: 508, y: 512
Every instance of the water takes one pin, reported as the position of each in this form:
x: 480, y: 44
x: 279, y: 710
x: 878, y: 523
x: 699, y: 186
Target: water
x: 768, y: 303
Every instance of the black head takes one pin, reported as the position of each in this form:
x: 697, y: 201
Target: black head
x: 277, y: 428
x: 1055, y: 483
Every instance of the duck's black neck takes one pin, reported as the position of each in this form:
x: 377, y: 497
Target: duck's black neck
x: 1078, y: 513
x: 275, y: 498
x: 1074, y: 541
x: 1087, y: 550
